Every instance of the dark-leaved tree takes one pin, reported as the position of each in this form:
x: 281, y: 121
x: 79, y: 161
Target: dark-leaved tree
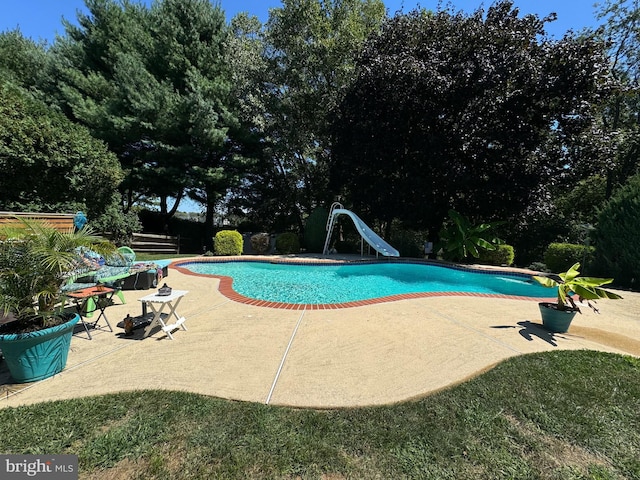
x: 456, y: 111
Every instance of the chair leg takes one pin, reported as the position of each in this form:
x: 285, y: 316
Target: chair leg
x: 90, y: 306
x: 121, y: 296
x: 117, y: 286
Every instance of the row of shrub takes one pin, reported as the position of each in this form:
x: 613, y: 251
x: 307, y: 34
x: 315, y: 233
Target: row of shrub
x: 230, y: 242
x: 616, y: 255
x: 615, y: 236
x: 558, y: 257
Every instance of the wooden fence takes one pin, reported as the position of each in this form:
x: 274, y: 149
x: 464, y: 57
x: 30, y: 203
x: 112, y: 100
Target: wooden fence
x: 154, y: 243
x: 60, y: 221
x: 142, y: 242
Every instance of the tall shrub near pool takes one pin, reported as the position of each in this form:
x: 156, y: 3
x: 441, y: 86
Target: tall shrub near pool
x: 503, y: 255
x: 315, y: 230
x: 287, y: 243
x: 559, y: 257
x: 227, y: 242
x: 616, y: 236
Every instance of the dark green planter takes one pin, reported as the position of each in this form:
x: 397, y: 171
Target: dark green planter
x: 37, y: 355
x: 554, y: 320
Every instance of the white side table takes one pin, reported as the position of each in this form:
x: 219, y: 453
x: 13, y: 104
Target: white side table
x: 157, y: 303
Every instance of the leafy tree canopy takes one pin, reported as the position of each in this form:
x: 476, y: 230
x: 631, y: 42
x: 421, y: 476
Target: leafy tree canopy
x: 49, y: 163
x: 307, y: 59
x: 619, y: 114
x: 456, y: 111
x: 22, y: 59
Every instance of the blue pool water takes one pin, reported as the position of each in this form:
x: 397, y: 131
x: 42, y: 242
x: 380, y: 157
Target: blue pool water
x: 323, y: 284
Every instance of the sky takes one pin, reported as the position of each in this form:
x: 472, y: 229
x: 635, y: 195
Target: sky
x: 42, y: 19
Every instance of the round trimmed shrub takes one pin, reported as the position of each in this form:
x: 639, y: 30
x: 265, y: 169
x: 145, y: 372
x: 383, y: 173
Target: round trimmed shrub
x: 227, y: 242
x: 502, y: 255
x: 287, y: 243
x: 260, y: 243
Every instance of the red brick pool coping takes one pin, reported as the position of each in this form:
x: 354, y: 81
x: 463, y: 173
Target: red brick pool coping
x: 226, y: 283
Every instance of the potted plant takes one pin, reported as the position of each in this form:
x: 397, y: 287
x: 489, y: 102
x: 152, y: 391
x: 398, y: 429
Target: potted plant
x: 36, y: 260
x: 557, y: 317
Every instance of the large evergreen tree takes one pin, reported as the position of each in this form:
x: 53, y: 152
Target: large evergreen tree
x: 154, y: 84
x: 457, y: 111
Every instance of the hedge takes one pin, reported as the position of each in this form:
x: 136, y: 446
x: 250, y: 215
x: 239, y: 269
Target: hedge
x: 287, y: 243
x: 559, y: 257
x: 502, y: 255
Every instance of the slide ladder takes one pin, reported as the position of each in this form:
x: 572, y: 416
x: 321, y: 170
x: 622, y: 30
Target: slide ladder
x: 330, y: 225
x: 368, y: 235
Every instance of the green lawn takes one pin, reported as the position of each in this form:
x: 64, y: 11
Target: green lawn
x: 559, y: 415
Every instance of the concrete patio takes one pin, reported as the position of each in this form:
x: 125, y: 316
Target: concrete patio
x: 366, y: 355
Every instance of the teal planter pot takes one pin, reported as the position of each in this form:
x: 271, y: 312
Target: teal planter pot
x: 554, y: 320
x: 38, y: 355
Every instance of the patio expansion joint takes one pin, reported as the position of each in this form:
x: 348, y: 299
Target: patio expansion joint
x: 284, y: 357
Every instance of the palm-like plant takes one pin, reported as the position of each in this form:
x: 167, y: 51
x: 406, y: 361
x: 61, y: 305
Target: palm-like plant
x: 36, y: 260
x: 587, y: 288
x: 460, y: 239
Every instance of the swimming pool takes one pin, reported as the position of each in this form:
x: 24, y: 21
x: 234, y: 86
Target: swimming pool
x: 320, y: 284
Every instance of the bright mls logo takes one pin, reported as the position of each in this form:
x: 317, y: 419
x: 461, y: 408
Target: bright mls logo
x: 50, y: 467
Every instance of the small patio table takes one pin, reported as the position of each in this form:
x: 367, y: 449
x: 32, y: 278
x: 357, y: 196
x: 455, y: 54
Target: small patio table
x: 89, y: 300
x: 157, y: 303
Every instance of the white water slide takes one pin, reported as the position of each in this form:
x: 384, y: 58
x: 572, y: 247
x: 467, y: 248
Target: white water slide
x: 368, y: 235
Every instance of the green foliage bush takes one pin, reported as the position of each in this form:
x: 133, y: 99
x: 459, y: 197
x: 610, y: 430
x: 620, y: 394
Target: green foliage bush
x: 559, y: 257
x: 617, y: 234
x: 121, y: 226
x: 581, y: 203
x: 502, y: 255
x: 409, y: 243
x: 349, y: 245
x: 287, y: 243
x: 460, y: 239
x: 228, y: 242
x: 260, y: 243
x: 50, y: 164
x: 315, y: 230
x: 531, y: 238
